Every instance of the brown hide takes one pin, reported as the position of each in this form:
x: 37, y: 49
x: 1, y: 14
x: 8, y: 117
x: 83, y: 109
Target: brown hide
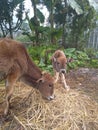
x: 15, y: 64
x: 59, y: 62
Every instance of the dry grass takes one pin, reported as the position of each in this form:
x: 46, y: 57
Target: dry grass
x: 69, y: 111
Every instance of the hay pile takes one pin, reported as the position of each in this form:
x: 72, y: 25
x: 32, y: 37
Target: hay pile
x: 69, y: 111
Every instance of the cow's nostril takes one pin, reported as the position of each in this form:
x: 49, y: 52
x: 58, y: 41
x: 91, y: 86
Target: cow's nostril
x: 51, y: 98
x: 63, y: 71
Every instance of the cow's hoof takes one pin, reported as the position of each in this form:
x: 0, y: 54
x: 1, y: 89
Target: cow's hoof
x: 68, y: 88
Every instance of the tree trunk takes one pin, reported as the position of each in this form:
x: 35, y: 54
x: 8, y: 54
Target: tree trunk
x: 35, y: 17
x: 4, y: 35
x: 63, y: 36
x: 52, y: 22
x: 10, y: 29
x: 64, y: 26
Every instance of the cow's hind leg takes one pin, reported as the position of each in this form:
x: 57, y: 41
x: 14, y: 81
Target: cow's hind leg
x: 10, y: 81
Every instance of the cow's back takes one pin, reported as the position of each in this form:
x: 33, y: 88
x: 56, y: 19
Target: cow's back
x: 12, y: 52
x: 10, y: 48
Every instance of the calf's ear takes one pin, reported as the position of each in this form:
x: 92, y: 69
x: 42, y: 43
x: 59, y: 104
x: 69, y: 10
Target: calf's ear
x: 69, y: 60
x: 53, y: 59
x: 41, y: 80
x: 44, y: 72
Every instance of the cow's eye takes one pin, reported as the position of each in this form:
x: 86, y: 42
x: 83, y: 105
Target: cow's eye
x: 58, y: 63
x: 50, y: 85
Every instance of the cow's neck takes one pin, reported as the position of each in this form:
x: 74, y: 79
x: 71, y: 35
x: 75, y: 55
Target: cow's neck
x: 33, y: 70
x: 32, y: 75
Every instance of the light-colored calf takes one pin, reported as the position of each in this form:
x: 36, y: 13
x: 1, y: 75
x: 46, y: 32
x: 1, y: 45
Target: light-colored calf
x: 59, y: 62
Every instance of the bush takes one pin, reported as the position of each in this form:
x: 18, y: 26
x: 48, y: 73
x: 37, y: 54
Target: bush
x: 22, y: 38
x: 80, y: 58
x: 42, y: 54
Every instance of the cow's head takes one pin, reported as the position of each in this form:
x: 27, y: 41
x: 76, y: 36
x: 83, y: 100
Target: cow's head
x: 59, y: 64
x: 46, y: 86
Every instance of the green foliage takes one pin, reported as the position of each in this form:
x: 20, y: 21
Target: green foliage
x: 42, y: 55
x: 80, y: 58
x: 40, y: 16
x: 81, y: 24
x: 93, y: 63
x: 77, y: 19
x: 39, y: 34
x: 34, y: 22
x: 56, y: 33
x: 91, y: 52
x: 22, y: 38
x: 72, y: 20
x: 7, y: 16
x: 75, y: 6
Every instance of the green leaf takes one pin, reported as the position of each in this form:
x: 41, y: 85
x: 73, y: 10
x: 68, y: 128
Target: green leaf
x: 70, y: 50
x: 16, y: 2
x: 75, y: 6
x: 40, y: 16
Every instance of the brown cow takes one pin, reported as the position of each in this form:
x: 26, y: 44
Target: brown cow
x: 15, y: 64
x: 59, y: 62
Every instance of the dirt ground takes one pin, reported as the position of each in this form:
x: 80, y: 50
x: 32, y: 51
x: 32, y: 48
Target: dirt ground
x: 82, y: 79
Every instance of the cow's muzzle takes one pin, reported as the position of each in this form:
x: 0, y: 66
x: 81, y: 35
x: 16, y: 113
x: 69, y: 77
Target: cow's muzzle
x: 63, y: 71
x: 50, y: 98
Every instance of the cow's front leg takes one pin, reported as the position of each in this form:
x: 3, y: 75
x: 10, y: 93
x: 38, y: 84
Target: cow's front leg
x: 10, y: 81
x: 64, y: 82
x: 56, y: 77
x: 9, y: 92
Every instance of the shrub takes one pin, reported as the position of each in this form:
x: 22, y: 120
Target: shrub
x: 42, y: 54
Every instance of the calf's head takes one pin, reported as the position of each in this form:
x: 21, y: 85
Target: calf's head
x: 59, y: 64
x: 46, y: 86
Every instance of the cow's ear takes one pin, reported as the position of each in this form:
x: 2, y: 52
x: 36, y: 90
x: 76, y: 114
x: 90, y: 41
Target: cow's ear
x: 44, y: 72
x: 69, y: 60
x: 41, y: 80
x: 53, y: 59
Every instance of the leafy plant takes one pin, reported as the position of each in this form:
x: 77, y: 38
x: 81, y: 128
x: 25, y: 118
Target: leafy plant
x: 91, y: 52
x: 42, y: 55
x: 11, y: 16
x: 22, y: 38
x: 93, y: 63
x: 79, y: 58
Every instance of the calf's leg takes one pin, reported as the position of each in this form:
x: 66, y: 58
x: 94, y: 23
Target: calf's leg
x: 64, y: 82
x: 56, y: 76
